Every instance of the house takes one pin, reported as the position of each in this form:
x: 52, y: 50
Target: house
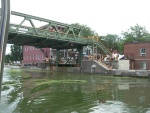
x: 139, y: 55
x: 32, y: 55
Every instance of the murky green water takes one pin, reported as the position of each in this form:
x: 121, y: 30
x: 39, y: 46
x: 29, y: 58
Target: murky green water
x: 26, y: 91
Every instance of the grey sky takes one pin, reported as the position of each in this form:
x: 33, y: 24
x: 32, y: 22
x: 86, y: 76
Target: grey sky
x: 103, y: 16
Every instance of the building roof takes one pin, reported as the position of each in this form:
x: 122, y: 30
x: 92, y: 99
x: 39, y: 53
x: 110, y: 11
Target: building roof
x: 136, y: 42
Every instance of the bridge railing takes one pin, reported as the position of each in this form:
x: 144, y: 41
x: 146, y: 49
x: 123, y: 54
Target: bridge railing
x: 52, y: 34
x: 66, y: 32
x: 14, y: 28
x: 95, y: 40
x: 50, y: 29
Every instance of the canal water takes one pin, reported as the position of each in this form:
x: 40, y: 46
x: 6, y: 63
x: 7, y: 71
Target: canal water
x: 37, y: 91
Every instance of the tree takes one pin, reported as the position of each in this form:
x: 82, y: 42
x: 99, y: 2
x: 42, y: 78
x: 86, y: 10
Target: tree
x: 136, y: 34
x: 113, y: 42
x: 16, y: 53
x: 86, y: 31
x: 8, y: 58
x: 110, y: 41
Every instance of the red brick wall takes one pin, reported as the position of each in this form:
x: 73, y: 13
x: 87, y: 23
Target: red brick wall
x: 132, y: 52
x: 34, y: 55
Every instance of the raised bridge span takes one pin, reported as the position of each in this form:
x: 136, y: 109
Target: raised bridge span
x: 39, y: 32
x: 28, y: 30
x: 50, y: 34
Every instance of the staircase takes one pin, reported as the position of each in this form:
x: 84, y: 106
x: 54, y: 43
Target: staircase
x: 102, y: 46
x: 103, y: 65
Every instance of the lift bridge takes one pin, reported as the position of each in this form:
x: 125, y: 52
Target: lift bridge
x: 34, y: 31
x: 39, y: 32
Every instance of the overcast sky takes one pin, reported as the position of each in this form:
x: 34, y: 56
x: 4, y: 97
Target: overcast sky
x: 103, y: 16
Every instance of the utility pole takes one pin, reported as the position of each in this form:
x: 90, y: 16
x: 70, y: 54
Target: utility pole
x: 4, y: 27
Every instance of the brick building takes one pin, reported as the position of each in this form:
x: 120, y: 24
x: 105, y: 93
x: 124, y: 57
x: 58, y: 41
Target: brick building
x: 139, y: 55
x: 32, y: 55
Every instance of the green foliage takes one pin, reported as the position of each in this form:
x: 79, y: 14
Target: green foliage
x: 120, y: 45
x: 16, y: 53
x: 113, y: 42
x: 86, y: 31
x: 8, y: 58
x: 136, y: 34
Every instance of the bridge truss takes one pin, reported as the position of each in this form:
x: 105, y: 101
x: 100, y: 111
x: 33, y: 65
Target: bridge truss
x: 43, y: 33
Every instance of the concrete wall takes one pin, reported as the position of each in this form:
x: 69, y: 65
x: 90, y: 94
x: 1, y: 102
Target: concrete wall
x: 123, y: 64
x: 68, y: 69
x: 87, y: 67
x: 130, y: 73
x: 120, y: 64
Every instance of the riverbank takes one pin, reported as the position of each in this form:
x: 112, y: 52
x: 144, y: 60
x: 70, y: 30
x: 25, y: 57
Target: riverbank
x: 88, y: 69
x: 130, y: 73
x: 111, y: 72
x: 119, y: 68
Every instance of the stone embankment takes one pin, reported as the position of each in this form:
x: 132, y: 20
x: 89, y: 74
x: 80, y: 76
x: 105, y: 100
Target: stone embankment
x: 131, y: 73
x: 95, y: 67
x: 92, y: 66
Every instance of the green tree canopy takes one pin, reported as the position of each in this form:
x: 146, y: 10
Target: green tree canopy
x: 133, y: 34
x: 86, y: 31
x: 113, y: 42
x: 16, y: 53
x: 8, y: 58
x: 136, y: 34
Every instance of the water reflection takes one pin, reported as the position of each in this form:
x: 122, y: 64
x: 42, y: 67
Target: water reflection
x: 27, y: 91
x: 11, y: 94
x: 109, y: 106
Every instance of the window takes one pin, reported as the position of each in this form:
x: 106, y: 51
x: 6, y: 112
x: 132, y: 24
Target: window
x: 33, y: 57
x: 24, y: 58
x: 38, y: 57
x: 42, y: 56
x: 24, y: 48
x: 143, y: 65
x: 27, y: 57
x: 142, y: 52
x: 30, y: 57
